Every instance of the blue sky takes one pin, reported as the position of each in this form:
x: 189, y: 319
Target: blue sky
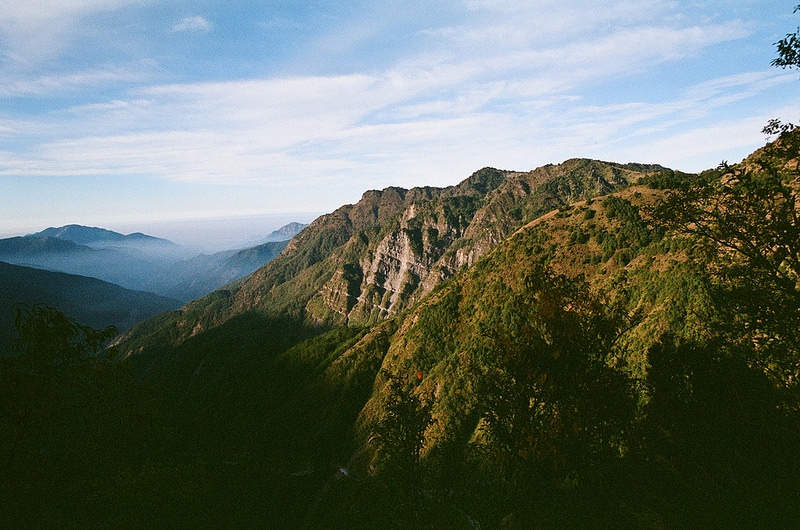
x: 128, y: 113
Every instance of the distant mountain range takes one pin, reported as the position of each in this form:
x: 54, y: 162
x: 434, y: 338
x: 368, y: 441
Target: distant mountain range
x: 94, y: 237
x: 102, y: 278
x: 285, y: 233
x: 129, y: 268
x: 136, y: 245
x: 195, y: 277
x: 138, y: 261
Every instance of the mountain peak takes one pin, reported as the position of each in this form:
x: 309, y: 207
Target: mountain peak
x: 79, y: 234
x: 285, y: 232
x: 89, y: 235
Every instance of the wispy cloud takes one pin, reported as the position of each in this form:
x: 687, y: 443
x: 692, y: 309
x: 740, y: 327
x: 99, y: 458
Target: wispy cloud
x: 26, y: 85
x: 306, y: 129
x: 599, y: 53
x: 514, y: 85
x: 32, y: 12
x: 193, y: 23
x: 35, y: 29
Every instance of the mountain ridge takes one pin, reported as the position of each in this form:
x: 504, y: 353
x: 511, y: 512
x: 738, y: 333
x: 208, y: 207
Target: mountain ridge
x: 87, y: 235
x: 368, y: 260
x: 285, y: 233
x: 138, y: 261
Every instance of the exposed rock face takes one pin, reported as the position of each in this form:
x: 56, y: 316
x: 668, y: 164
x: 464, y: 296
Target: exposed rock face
x: 415, y: 239
x: 435, y: 238
x: 395, y: 256
x: 402, y: 262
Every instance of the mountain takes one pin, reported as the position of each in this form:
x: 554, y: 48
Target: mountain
x: 138, y: 261
x: 86, y: 235
x: 32, y: 246
x: 198, y: 276
x: 285, y: 232
x: 585, y: 344
x: 140, y: 245
x: 128, y: 260
x: 193, y: 278
x: 371, y: 260
x: 108, y: 264
x: 284, y: 372
x: 90, y: 301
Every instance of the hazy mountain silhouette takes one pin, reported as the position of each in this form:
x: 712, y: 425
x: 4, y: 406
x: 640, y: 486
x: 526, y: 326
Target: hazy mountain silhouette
x: 138, y: 261
x: 140, y: 245
x: 285, y: 233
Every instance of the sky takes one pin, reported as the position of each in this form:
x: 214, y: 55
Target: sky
x: 181, y: 116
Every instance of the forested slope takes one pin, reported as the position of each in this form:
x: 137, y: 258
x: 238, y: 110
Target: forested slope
x: 587, y: 344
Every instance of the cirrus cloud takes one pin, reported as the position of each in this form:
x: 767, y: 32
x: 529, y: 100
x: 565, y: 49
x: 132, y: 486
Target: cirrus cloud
x: 315, y: 110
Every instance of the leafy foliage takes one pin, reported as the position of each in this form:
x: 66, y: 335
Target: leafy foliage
x: 72, y: 425
x: 716, y: 439
x: 788, y: 49
x: 401, y: 432
x: 47, y: 335
x: 549, y: 356
x: 746, y: 219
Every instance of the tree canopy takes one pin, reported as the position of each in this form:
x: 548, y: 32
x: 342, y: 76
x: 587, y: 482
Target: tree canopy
x: 789, y: 49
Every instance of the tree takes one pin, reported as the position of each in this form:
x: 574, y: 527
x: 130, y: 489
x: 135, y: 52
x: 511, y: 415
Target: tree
x: 47, y: 335
x: 74, y: 426
x: 745, y: 219
x: 401, y: 432
x: 788, y: 57
x: 548, y: 358
x: 789, y: 49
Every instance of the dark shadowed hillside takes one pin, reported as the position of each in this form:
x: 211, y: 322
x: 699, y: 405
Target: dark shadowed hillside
x: 93, y: 302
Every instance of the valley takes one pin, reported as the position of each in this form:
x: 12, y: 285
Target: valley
x: 568, y: 345
x: 104, y: 278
